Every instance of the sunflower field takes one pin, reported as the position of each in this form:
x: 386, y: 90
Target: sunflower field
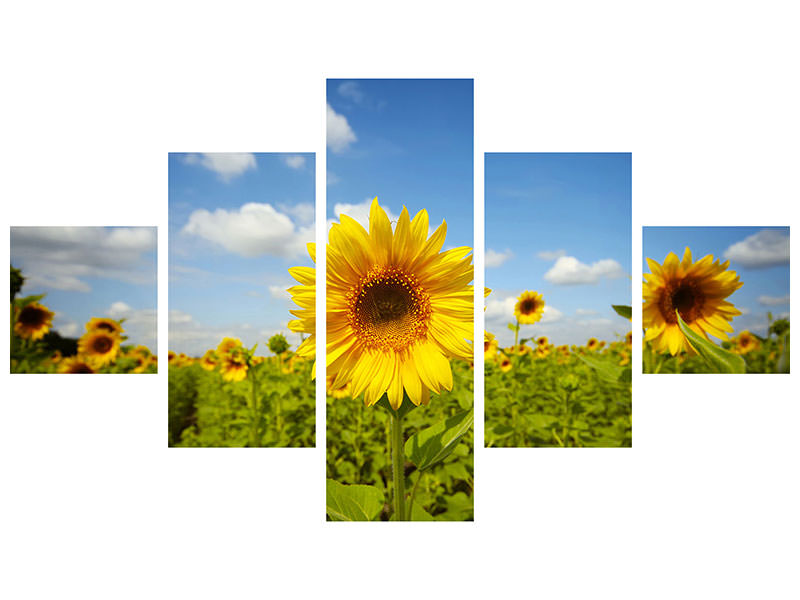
x: 399, y: 354
x: 230, y: 397
x: 540, y: 395
x: 36, y: 348
x: 684, y: 302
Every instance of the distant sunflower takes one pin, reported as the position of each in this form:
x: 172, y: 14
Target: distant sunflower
x: 209, y: 360
x: 233, y: 366
x: 542, y: 341
x: 227, y: 345
x: 99, y: 347
x: 398, y: 308
x: 746, y: 342
x: 74, y: 364
x: 592, y: 344
x: 697, y: 291
x: 305, y: 296
x: 504, y: 363
x: 629, y: 338
x: 171, y: 357
x: 33, y: 321
x: 104, y: 324
x: 529, y: 308
x: 490, y: 346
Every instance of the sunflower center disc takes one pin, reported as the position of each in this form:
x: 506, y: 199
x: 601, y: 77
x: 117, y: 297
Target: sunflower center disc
x: 102, y: 345
x: 528, y: 307
x: 684, y: 297
x: 31, y: 316
x: 388, y: 309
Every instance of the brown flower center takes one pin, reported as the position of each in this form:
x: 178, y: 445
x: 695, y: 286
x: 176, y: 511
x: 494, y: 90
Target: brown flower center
x: 684, y: 296
x: 31, y: 316
x: 388, y: 309
x: 528, y: 306
x: 102, y: 344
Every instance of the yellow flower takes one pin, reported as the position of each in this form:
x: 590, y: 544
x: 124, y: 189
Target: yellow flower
x: 74, y: 364
x: 697, y: 291
x: 542, y: 341
x: 504, y: 362
x: 305, y: 296
x: 33, y: 321
x: 99, y: 347
x: 104, y: 324
x: 171, y: 357
x: 746, y: 342
x: 233, y: 366
x: 629, y: 338
x: 624, y: 358
x: 338, y: 393
x: 489, y: 346
x: 592, y: 344
x: 397, y: 308
x: 209, y: 360
x: 227, y: 345
x: 529, y: 308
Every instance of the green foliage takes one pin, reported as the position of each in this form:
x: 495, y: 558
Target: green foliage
x: 278, y: 344
x: 432, y: 445
x: 623, y: 311
x: 206, y: 411
x: 358, y: 451
x: 352, y: 502
x: 583, y: 400
x: 718, y: 359
x: 16, y: 282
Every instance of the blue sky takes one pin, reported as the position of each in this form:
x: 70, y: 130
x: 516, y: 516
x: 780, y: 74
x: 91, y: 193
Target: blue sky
x: 237, y: 222
x: 759, y: 255
x: 406, y: 141
x: 560, y: 225
x: 91, y: 272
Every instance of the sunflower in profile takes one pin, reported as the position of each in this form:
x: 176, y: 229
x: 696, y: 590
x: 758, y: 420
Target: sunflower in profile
x: 398, y: 308
x: 305, y: 296
x: 529, y: 308
x: 209, y: 360
x: 697, y: 291
x: 33, y: 321
x: 746, y: 342
x: 74, y: 364
x: 104, y: 324
x: 99, y: 347
x: 233, y: 365
x: 504, y: 363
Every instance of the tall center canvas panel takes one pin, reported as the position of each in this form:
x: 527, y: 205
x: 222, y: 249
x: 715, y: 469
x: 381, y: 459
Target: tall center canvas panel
x: 399, y: 295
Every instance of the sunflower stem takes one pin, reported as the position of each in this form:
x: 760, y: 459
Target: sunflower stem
x: 398, y: 463
x: 516, y: 334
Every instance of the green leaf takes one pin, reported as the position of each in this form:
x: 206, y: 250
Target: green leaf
x: 406, y: 407
x: 717, y: 358
x: 622, y: 310
x: 513, y: 327
x: 604, y: 369
x: 432, y: 445
x: 419, y: 514
x: 352, y: 502
x: 783, y: 361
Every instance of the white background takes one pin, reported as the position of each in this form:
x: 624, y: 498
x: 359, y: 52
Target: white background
x: 94, y: 505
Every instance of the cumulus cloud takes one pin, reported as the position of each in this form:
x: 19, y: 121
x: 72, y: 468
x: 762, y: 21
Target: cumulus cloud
x: 193, y: 338
x: 139, y: 323
x: 295, y: 161
x: 63, y: 258
x: 773, y: 300
x: 767, y: 248
x: 252, y: 230
x: 302, y: 212
x: 339, y: 133
x: 352, y: 91
x: 227, y: 165
x: 495, y: 259
x: 551, y: 254
x: 568, y: 270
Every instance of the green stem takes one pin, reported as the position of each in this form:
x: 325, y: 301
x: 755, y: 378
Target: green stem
x: 398, y: 463
x: 516, y: 335
x: 253, y: 410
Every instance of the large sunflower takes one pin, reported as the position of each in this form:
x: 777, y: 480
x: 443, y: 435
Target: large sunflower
x: 696, y: 290
x: 529, y: 308
x: 397, y: 307
x: 99, y: 347
x: 305, y: 296
x: 33, y: 321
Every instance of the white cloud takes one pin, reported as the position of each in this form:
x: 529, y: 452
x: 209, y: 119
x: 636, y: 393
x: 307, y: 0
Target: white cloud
x: 773, y: 300
x: 351, y: 90
x: 226, y: 165
x: 63, y: 258
x: 568, y: 270
x: 295, y: 161
x: 359, y: 212
x: 767, y: 248
x: 139, y: 324
x: 495, y: 259
x: 252, y: 230
x: 339, y: 133
x: 551, y: 254
x: 303, y: 212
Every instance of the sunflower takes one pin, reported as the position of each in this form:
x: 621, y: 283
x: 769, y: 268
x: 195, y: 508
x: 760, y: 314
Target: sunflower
x: 629, y: 339
x: 171, y: 357
x: 99, y: 347
x: 504, y: 362
x: 697, y: 291
x: 305, y: 296
x: 592, y: 344
x: 624, y: 358
x: 542, y: 341
x: 397, y: 308
x: 233, y: 366
x: 338, y: 393
x: 33, y: 321
x: 75, y: 364
x: 529, y: 308
x: 209, y: 360
x: 746, y: 342
x: 489, y: 346
x: 227, y: 345
x: 103, y: 324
